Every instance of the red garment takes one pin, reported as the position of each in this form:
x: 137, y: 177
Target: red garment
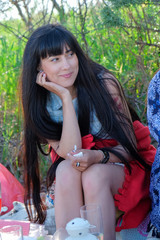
x: 133, y: 198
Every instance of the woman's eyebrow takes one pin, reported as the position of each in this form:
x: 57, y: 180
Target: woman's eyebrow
x: 53, y: 55
x: 68, y: 50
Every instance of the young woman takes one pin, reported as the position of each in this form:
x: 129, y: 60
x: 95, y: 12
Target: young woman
x: 69, y: 100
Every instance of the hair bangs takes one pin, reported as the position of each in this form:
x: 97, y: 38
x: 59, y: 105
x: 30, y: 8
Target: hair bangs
x: 54, y: 43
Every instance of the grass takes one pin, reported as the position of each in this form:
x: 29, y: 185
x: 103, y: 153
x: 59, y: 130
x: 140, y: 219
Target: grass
x: 11, y: 122
x: 10, y: 119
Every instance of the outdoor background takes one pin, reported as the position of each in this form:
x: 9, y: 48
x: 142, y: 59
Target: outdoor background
x: 123, y: 35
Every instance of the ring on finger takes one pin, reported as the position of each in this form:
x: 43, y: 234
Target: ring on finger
x: 77, y: 164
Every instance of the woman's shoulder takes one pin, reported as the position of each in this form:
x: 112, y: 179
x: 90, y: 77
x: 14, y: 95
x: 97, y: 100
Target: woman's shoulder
x: 112, y: 83
x: 106, y: 74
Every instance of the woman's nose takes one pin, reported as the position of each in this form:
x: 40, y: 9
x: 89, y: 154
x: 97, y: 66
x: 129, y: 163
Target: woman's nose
x: 65, y: 63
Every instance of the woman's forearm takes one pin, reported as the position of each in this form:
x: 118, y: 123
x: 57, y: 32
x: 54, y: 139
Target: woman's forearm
x: 70, y: 131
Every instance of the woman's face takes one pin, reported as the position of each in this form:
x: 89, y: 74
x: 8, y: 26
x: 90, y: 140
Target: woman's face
x: 61, y: 69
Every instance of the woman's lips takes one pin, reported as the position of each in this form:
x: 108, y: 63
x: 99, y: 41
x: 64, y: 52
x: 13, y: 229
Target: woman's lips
x: 68, y: 75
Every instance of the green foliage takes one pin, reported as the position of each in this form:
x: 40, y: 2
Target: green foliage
x: 124, y: 3
x: 110, y: 18
x: 10, y: 123
x: 133, y: 48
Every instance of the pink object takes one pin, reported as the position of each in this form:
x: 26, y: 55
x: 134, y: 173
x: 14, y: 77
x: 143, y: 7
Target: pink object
x: 25, y: 225
x: 10, y: 188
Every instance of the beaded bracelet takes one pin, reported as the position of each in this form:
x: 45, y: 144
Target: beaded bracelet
x: 105, y: 156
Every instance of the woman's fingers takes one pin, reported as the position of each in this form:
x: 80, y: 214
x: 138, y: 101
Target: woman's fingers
x: 78, y: 165
x: 41, y: 78
x: 83, y: 158
x: 78, y: 160
x: 50, y: 85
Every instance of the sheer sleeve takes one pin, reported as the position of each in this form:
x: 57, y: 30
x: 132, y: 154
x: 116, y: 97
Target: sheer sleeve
x: 117, y: 94
x: 120, y: 105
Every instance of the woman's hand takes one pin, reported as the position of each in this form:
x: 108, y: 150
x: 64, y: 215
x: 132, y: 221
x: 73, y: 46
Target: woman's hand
x: 89, y: 157
x: 51, y: 86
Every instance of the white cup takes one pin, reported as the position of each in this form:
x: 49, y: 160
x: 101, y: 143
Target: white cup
x: 92, y: 213
x: 11, y: 232
x: 60, y: 234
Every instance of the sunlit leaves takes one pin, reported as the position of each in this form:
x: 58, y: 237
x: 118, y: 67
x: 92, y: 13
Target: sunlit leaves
x: 110, y: 18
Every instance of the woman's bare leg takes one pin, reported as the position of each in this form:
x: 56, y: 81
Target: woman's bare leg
x: 68, y: 194
x: 100, y: 183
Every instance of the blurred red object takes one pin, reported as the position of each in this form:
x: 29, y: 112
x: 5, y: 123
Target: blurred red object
x: 11, y: 188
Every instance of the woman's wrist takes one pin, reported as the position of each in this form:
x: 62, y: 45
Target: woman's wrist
x: 105, y: 156
x: 100, y: 156
x: 66, y: 96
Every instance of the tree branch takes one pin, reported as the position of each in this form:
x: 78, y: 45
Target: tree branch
x: 148, y: 44
x: 82, y: 22
x: 16, y: 4
x: 13, y: 31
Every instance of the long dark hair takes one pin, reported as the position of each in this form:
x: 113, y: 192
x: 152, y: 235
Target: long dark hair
x: 92, y: 93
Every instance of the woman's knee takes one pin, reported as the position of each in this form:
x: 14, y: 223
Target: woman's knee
x: 66, y: 175
x: 93, y: 179
x: 99, y: 177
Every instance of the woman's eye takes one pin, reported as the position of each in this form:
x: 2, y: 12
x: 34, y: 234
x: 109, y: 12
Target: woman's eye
x: 54, y: 59
x: 70, y: 54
